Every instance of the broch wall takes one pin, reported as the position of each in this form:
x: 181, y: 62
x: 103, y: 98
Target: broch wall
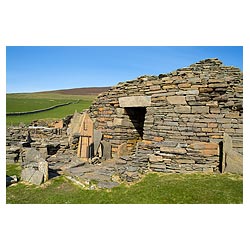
x: 173, y: 122
x: 185, y: 121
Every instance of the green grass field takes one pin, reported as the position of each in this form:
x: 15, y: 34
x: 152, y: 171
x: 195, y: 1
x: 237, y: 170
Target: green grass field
x: 29, y: 102
x: 152, y: 189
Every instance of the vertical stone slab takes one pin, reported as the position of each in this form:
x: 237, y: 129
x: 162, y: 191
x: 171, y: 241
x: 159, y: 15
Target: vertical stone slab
x: 232, y: 161
x: 227, y: 146
x: 43, y: 167
x: 97, y: 140
x: 106, y: 150
x: 75, y: 124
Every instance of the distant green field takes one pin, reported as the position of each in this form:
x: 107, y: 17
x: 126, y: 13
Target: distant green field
x: 29, y: 102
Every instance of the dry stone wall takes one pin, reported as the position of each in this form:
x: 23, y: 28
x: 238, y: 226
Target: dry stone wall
x: 179, y: 127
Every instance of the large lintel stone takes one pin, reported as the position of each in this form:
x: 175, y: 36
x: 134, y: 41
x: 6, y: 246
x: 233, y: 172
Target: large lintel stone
x: 135, y: 101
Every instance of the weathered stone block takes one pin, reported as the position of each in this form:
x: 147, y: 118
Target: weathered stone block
x: 117, y: 121
x: 32, y: 155
x: 120, y: 111
x: 194, y: 80
x: 212, y: 125
x: 238, y: 89
x: 182, y: 109
x: 170, y: 87
x: 122, y: 150
x: 200, y: 109
x: 204, y: 145
x: 135, y: 101
x: 158, y: 166
x: 173, y: 150
x: 158, y: 138
x: 234, y: 162
x: 155, y: 158
x: 188, y: 92
x: 233, y: 115
x: 37, y: 178
x: 207, y: 130
x: 190, y: 98
x: 176, y: 100
x: 155, y: 87
x: 43, y: 167
x: 214, y: 110
x: 206, y: 90
x: 213, y: 104
x: 184, y: 85
x: 215, y: 80
x: 185, y: 161
x: 218, y: 85
x: 209, y: 152
x: 27, y: 173
x: 167, y: 143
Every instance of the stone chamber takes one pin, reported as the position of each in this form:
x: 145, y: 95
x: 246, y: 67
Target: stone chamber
x: 174, y: 122
x: 189, y: 120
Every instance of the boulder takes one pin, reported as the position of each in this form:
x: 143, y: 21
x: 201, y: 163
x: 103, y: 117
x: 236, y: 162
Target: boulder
x: 32, y: 155
x: 37, y: 178
x: 36, y: 169
x: 27, y: 173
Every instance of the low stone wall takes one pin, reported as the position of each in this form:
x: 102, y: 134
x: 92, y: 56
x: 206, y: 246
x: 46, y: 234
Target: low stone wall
x: 184, y: 121
x: 39, y: 110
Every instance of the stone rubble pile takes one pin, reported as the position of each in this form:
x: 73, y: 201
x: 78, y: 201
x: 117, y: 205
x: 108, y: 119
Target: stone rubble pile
x: 42, y: 151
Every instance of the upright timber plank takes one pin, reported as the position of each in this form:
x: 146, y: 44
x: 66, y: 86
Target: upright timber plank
x: 86, y: 132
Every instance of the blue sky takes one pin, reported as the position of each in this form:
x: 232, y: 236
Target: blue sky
x: 34, y: 68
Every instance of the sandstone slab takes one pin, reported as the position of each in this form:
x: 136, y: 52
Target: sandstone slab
x: 176, y: 100
x: 135, y: 101
x: 173, y: 150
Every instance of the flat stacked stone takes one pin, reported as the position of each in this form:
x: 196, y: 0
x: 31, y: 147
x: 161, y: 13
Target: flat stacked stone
x: 191, y: 109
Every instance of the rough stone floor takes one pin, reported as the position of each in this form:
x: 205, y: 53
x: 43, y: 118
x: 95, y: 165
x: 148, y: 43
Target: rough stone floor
x: 102, y: 175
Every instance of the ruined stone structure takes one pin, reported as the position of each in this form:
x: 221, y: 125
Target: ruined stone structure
x: 185, y: 121
x: 173, y: 122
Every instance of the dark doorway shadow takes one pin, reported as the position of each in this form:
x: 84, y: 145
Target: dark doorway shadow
x: 137, y: 117
x: 220, y: 156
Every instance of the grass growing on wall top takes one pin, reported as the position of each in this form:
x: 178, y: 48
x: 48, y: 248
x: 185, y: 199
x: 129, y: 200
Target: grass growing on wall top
x: 152, y: 189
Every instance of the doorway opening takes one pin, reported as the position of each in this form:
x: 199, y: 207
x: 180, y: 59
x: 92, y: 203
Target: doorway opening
x: 137, y: 117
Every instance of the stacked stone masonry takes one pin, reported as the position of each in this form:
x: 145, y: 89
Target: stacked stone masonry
x: 180, y: 125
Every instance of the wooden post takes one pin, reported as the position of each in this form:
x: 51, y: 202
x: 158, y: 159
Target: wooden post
x: 86, y: 137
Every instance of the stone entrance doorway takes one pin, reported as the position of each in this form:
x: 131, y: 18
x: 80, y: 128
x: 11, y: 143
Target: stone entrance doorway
x: 135, y: 108
x: 137, y: 117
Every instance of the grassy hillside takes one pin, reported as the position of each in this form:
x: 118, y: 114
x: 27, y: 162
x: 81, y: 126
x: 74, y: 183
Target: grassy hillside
x: 79, y: 91
x: 34, y: 101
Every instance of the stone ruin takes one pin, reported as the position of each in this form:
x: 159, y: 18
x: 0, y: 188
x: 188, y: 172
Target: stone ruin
x: 189, y: 120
